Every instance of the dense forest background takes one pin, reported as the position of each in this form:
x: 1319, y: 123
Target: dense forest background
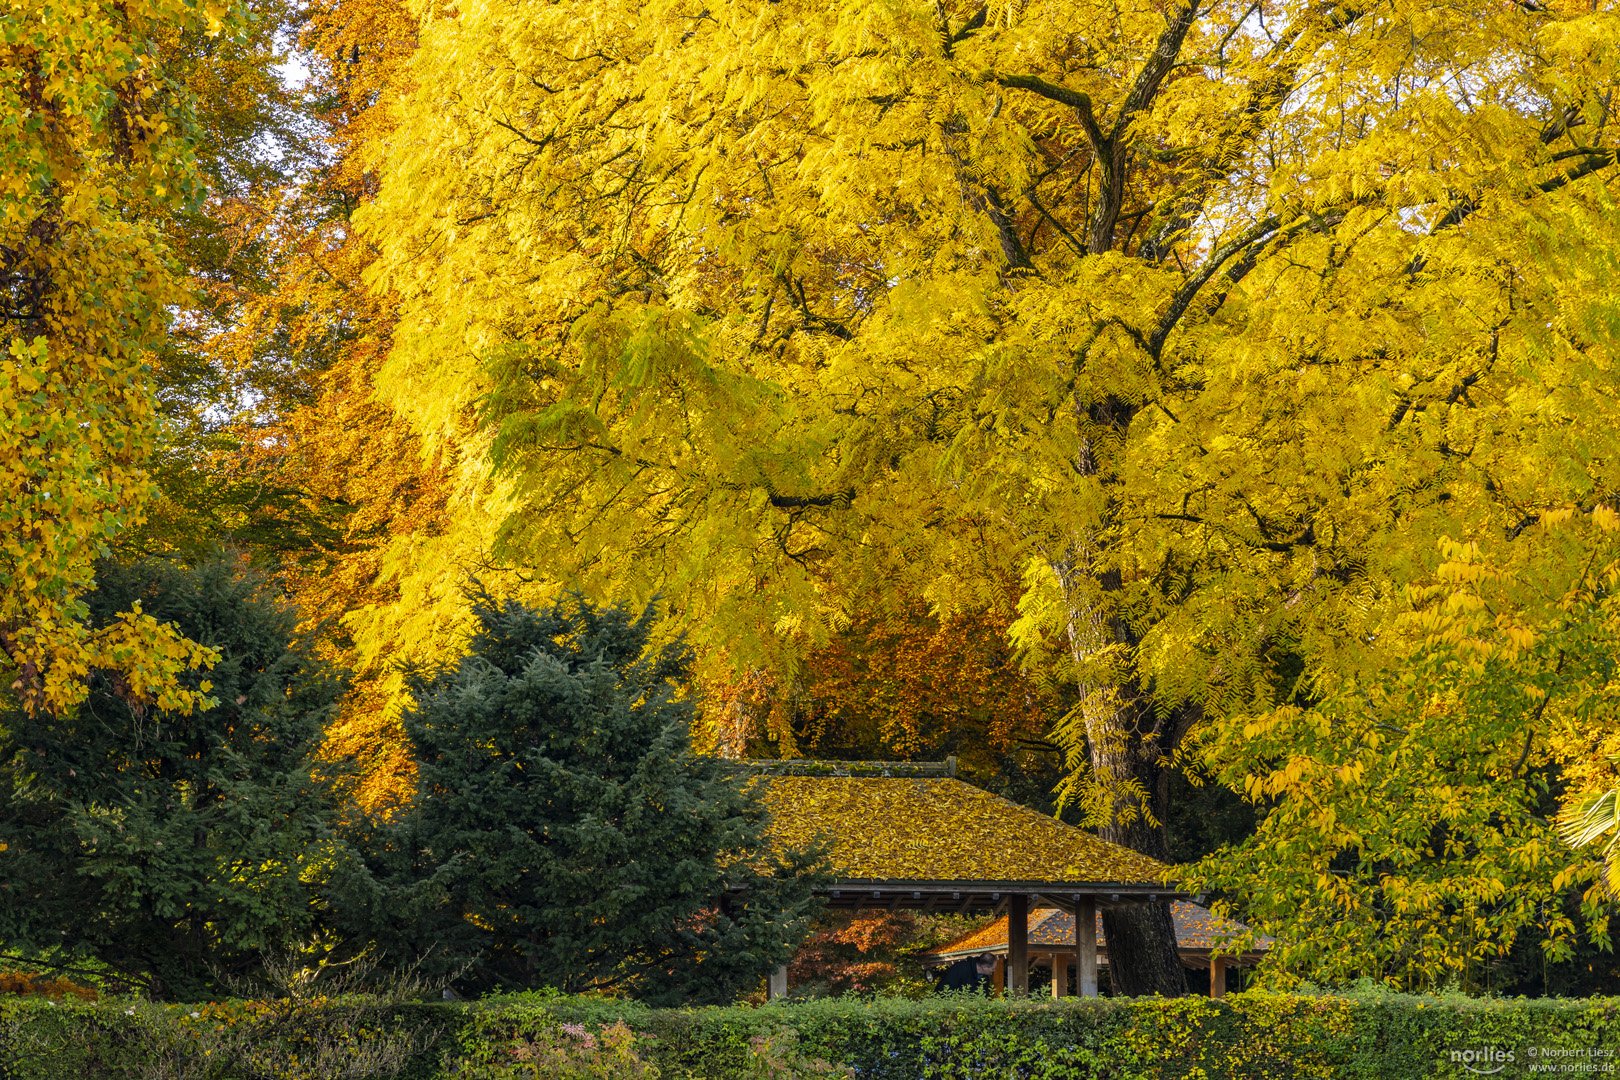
x: 1202, y: 420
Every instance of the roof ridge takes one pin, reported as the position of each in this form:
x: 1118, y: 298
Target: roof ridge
x: 855, y: 768
x: 1055, y: 820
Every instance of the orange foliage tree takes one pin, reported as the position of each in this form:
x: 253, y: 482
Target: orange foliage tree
x: 296, y: 461
x: 858, y: 952
x: 903, y: 685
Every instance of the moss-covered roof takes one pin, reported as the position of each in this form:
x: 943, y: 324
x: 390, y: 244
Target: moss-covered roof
x: 1197, y: 930
x: 942, y: 830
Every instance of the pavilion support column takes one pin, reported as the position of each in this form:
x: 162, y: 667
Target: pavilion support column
x: 1060, y: 974
x: 998, y: 975
x: 777, y: 987
x: 1217, y: 976
x: 1018, y: 943
x: 1085, y: 945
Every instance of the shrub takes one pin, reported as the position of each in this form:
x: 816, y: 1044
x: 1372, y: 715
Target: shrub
x: 524, y: 1041
x: 1253, y: 1036
x: 49, y: 986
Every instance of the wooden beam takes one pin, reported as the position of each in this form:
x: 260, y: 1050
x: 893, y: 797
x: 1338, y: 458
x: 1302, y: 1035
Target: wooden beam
x: 1085, y: 944
x: 1018, y: 943
x: 1060, y: 974
x: 1217, y: 976
x: 998, y: 975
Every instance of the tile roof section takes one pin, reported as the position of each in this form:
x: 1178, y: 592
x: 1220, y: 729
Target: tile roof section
x: 942, y: 829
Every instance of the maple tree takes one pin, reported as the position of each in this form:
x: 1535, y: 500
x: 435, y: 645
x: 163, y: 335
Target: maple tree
x: 1207, y: 319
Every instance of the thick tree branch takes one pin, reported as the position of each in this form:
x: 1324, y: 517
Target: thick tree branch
x: 1193, y: 285
x: 1158, y: 65
x: 807, y: 502
x: 1597, y: 158
x: 1113, y: 151
x: 1568, y: 117
x: 1074, y: 99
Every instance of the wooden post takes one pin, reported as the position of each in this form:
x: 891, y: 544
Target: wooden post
x: 1018, y: 944
x: 998, y: 975
x: 777, y: 986
x: 1085, y: 944
x: 1217, y: 976
x: 1060, y: 974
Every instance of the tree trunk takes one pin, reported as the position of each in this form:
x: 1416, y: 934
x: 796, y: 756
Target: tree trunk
x: 1142, y: 956
x: 1129, y: 746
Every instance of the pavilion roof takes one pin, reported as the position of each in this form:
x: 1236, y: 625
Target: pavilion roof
x: 938, y: 829
x: 1197, y: 930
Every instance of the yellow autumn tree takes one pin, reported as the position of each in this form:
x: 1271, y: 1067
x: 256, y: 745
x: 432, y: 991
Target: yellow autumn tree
x: 295, y: 459
x: 1208, y: 319
x: 1410, y: 831
x: 95, y: 152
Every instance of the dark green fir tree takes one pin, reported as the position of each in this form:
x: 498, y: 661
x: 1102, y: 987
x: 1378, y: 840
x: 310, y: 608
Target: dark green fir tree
x: 176, y: 850
x: 566, y: 835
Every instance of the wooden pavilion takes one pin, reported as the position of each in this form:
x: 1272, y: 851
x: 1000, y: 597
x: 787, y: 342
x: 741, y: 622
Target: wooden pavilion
x: 1204, y: 941
x: 911, y: 835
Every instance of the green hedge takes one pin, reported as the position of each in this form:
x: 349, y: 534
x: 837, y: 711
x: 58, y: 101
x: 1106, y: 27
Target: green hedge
x: 1377, y: 1037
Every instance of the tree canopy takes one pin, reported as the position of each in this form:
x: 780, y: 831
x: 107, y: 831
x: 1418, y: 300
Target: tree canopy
x: 1207, y: 321
x: 98, y: 146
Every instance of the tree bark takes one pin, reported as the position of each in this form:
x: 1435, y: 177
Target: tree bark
x: 1129, y: 749
x: 1143, y: 956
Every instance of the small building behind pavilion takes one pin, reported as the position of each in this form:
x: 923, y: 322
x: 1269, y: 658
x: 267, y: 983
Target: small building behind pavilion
x: 1206, y: 943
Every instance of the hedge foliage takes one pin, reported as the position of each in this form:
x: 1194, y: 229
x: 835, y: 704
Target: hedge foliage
x: 1259, y: 1035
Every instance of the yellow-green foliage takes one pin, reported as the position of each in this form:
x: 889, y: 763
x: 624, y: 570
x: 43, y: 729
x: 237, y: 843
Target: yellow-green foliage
x: 94, y: 152
x: 1249, y: 1036
x: 1409, y: 833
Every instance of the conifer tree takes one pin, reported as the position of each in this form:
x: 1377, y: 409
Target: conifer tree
x: 564, y: 833
x: 176, y: 848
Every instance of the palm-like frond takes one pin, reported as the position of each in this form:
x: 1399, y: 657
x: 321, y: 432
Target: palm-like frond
x: 1588, y: 822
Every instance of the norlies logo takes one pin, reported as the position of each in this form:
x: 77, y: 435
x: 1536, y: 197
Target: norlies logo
x: 1484, y: 1061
